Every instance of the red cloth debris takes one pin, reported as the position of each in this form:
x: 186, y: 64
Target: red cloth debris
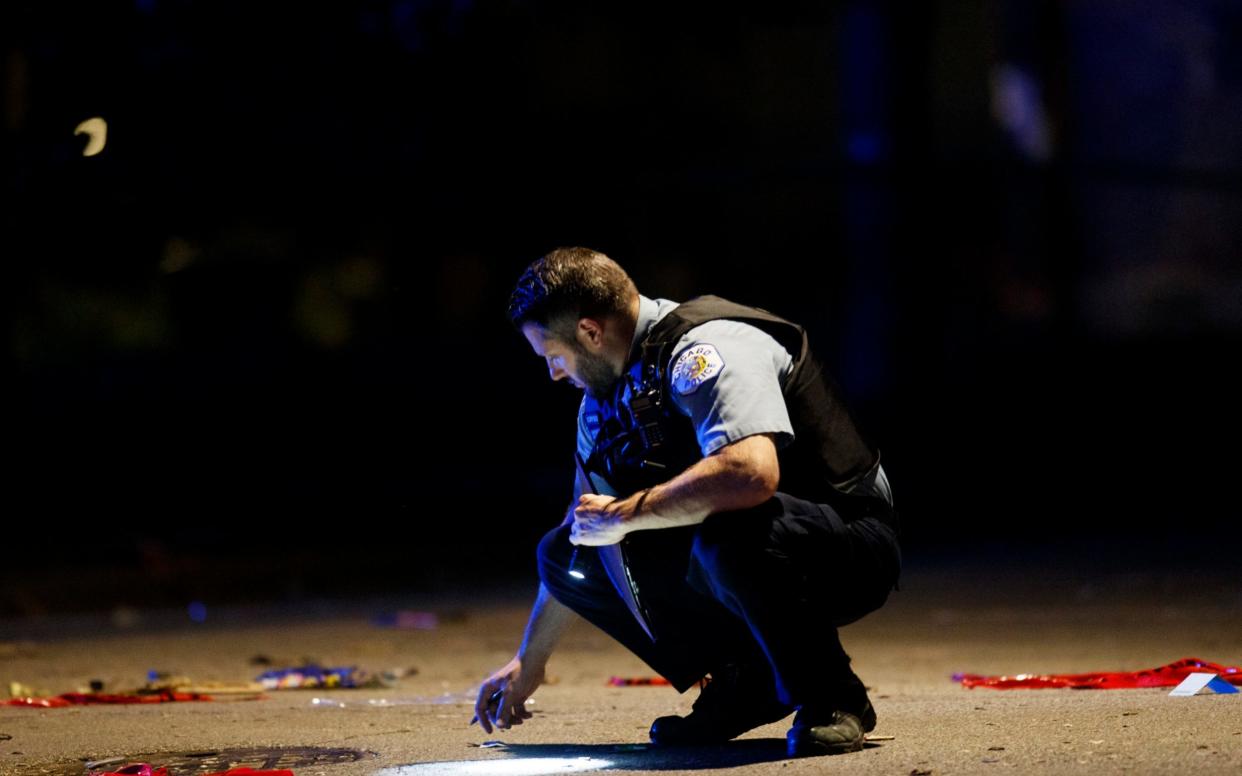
x: 631, y: 681
x: 146, y: 769
x: 637, y: 681
x: 1169, y: 675
x: 134, y: 769
x: 87, y: 698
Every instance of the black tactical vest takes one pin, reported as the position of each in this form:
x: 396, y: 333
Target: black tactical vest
x: 650, y: 441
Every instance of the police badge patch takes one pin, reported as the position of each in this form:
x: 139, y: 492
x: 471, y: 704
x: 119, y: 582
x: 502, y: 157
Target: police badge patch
x: 695, y: 366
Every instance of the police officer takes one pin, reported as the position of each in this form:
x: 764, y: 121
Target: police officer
x: 728, y: 516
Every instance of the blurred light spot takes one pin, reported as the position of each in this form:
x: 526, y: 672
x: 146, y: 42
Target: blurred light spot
x: 17, y: 89
x: 321, y: 314
x: 576, y: 574
x: 525, y: 766
x: 1018, y: 107
x: 97, y: 129
x: 408, y: 619
x: 198, y: 611
x: 178, y: 254
x: 358, y: 277
x: 98, y: 317
x: 325, y: 702
x: 865, y: 147
x: 125, y: 617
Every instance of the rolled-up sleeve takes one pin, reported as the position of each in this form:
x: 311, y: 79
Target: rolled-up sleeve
x: 726, y: 377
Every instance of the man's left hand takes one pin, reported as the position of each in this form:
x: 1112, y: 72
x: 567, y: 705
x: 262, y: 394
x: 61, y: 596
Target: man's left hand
x: 601, y: 519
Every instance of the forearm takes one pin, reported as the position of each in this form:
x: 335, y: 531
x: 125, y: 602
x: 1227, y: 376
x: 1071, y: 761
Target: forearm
x: 549, y: 618
x: 717, y: 483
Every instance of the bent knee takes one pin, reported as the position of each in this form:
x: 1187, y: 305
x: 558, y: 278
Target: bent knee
x: 553, y: 552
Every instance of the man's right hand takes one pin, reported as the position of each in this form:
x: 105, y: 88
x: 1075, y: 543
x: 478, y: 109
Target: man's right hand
x: 516, y: 683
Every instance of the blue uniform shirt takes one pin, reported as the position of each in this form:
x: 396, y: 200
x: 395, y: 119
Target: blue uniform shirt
x: 726, y: 378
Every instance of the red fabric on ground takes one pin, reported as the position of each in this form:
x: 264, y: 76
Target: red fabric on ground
x: 1169, y: 675
x: 88, y: 698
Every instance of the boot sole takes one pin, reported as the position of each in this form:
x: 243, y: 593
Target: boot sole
x: 813, y: 748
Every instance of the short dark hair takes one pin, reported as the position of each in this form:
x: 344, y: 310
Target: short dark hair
x: 567, y: 284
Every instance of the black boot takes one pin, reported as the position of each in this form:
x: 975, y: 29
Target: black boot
x: 822, y: 730
x: 737, y: 698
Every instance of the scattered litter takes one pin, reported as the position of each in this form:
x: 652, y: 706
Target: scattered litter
x: 407, y: 619
x: 326, y: 703
x: 19, y: 690
x: 93, y: 698
x: 1165, y: 676
x: 1198, y: 681
x: 133, y: 769
x: 146, y: 769
x: 93, y: 764
x: 879, y: 738
x: 160, y: 688
x: 125, y: 617
x: 490, y: 745
x: 312, y: 676
x: 184, y: 684
x: 636, y: 681
x: 466, y: 698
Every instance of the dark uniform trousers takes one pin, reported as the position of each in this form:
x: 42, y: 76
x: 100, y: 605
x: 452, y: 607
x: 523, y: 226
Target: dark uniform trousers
x: 767, y: 586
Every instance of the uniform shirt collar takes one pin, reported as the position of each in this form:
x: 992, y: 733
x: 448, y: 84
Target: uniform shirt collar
x: 649, y: 311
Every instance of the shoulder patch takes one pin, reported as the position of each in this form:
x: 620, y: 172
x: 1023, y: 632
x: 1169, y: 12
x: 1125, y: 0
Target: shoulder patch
x: 592, y: 420
x: 695, y: 366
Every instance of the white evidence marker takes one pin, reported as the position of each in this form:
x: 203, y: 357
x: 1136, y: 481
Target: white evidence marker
x: 1197, y: 681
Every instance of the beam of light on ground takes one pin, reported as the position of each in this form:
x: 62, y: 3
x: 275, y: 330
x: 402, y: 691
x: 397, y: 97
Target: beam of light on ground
x: 525, y: 766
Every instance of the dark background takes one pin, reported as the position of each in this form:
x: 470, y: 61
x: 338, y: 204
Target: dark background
x: 257, y: 346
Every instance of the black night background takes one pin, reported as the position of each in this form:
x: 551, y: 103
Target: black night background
x: 257, y: 346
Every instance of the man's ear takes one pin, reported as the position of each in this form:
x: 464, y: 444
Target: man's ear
x: 590, y: 330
